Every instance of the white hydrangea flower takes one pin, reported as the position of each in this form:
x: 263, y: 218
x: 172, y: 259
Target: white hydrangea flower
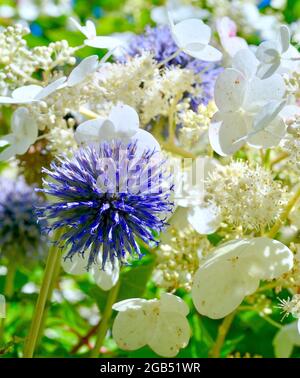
x: 286, y: 339
x: 24, y: 134
x: 105, y: 279
x: 277, y: 53
x: 122, y: 124
x: 32, y: 93
x: 234, y: 270
x: 160, y: 324
x: 203, y: 217
x: 92, y: 40
x: 2, y: 307
x: 192, y: 36
x: 248, y: 107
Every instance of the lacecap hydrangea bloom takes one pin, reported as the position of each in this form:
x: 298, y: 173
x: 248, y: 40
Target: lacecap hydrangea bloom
x: 105, y: 197
x: 20, y: 233
x: 160, y: 43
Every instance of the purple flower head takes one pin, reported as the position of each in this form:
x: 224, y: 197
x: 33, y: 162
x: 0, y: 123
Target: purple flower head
x: 20, y: 233
x: 104, y: 198
x: 160, y: 43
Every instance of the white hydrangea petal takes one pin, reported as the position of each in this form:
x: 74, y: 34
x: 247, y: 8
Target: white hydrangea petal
x: 88, y: 131
x: 192, y: 32
x: 26, y: 93
x: 172, y: 303
x: 23, y: 125
x: 129, y: 304
x: 52, y: 87
x: 233, y: 45
x: 103, y: 42
x: 270, y: 136
x: 145, y: 141
x: 76, y: 266
x: 204, y: 219
x: 229, y: 90
x: 226, y: 133
x: 266, y: 70
x: 285, y: 340
x: 170, y: 334
x: 268, y: 258
x: 2, y: 307
x: 107, y: 278
x: 267, y: 114
x: 84, y: 68
x: 220, y: 285
x: 125, y: 120
x: 245, y: 62
x: 260, y: 92
x: 267, y: 52
x: 9, y: 151
x: 130, y: 329
x: 284, y: 38
x: 207, y: 53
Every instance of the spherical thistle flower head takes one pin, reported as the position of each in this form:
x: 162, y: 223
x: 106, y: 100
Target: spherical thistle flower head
x: 247, y: 196
x: 105, y: 197
x: 160, y: 43
x: 20, y: 232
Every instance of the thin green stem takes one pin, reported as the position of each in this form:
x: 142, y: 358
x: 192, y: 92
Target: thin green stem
x: 176, y: 53
x: 35, y: 328
x: 222, y: 333
x: 105, y: 320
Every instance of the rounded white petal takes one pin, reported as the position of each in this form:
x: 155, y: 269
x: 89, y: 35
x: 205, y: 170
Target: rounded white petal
x: 226, y: 133
x: 204, y: 219
x: 26, y: 93
x: 89, y: 131
x: 52, y: 87
x: 145, y: 141
x: 130, y: 329
x: 170, y: 334
x: 245, y: 62
x: 172, y: 303
x: 265, y: 70
x: 107, y: 278
x: 260, y: 92
x: 192, y: 33
x: 84, y: 68
x: 234, y: 44
x: 24, y: 126
x: 268, y: 258
x: 270, y: 136
x: 285, y: 340
x: 229, y: 90
x: 129, y: 304
x: 77, y: 265
x: 9, y: 151
x: 207, y: 53
x: 267, y: 114
x: 125, y: 120
x: 103, y: 42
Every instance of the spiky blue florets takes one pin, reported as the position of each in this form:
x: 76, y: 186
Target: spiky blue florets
x: 104, y: 198
x: 20, y: 233
x: 160, y: 43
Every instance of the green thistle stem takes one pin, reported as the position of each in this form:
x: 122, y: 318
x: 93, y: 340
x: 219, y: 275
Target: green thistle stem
x: 222, y: 333
x: 104, y: 321
x: 37, y: 320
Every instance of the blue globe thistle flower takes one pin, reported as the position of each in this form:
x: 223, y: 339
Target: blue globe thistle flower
x: 105, y: 197
x: 20, y: 233
x: 159, y: 42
